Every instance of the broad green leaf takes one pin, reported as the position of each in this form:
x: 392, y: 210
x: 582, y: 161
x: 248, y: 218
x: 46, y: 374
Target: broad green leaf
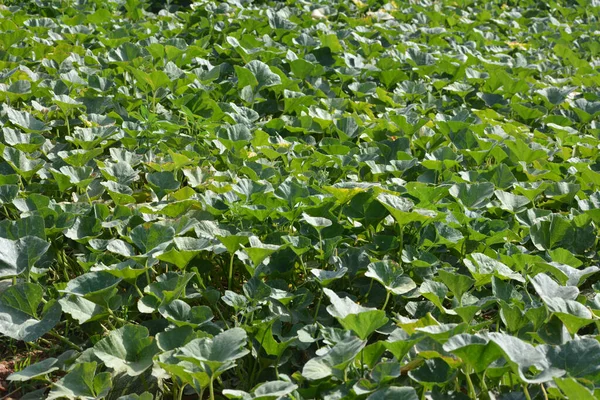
x: 216, y: 353
x: 402, y: 209
x: 266, y: 391
x: 81, y: 309
x: 394, y: 392
x: 151, y: 238
x: 97, y: 287
x: 18, y: 256
x: 362, y: 320
x: 258, y: 251
x: 325, y: 277
x: 21, y: 163
x: 433, y: 371
x: 174, y: 338
x: 316, y: 222
x: 185, y: 249
x: 391, y: 277
x: 32, y: 371
x: 20, y: 317
x: 483, y: 268
x: 474, y: 195
x: 181, y: 314
x: 263, y: 74
x: 573, y: 389
x: 82, y: 382
x: 26, y: 121
x: 511, y: 202
x: 128, y: 349
x: 335, y: 361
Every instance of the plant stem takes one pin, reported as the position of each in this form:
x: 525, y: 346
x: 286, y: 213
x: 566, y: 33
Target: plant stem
x: 525, y: 391
x: 362, y: 363
x: 387, y: 298
x: 401, y: 244
x: 180, y: 391
x: 216, y: 307
x: 472, y: 393
x: 318, y: 306
x: 211, y: 389
x: 137, y: 289
x: 67, y: 121
x: 65, y: 340
x: 339, y: 217
x: 148, y: 276
x: 230, y: 280
x: 303, y: 266
x: 544, y: 391
x: 368, y: 291
x: 321, y: 246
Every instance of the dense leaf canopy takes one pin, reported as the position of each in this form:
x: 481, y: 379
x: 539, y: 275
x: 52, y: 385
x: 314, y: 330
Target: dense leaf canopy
x: 315, y: 199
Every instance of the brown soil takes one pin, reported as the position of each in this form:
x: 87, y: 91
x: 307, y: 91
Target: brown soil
x: 6, y: 368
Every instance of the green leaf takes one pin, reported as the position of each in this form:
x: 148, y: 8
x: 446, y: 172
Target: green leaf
x: 573, y: 389
x: 162, y: 182
x: 27, y: 143
x: 19, y: 317
x: 362, y: 320
x: 394, y: 393
x: 432, y: 371
x: 316, y: 222
x: 325, y: 277
x: 128, y: 349
x: 554, y: 95
x: 264, y: 334
x: 263, y: 74
x: 266, y: 391
x: 511, y: 202
x: 181, y: 314
x: 456, y: 282
x: 82, y: 382
x: 550, y: 232
x: 82, y: 309
x: 258, y: 251
x: 25, y: 120
x: 185, y: 250
x: 84, y: 228
x: 174, y: 338
x: 574, y: 315
x: 217, y: 353
x: 399, y: 342
x: 402, y: 209
x: 169, y: 286
x: 474, y: 350
x: 8, y: 193
x: 390, y: 275
x: 474, y: 195
x: 21, y: 163
x: 483, y: 268
x: 335, y: 361
x: 97, y: 287
x: 152, y: 238
x: 18, y: 256
x: 41, y: 368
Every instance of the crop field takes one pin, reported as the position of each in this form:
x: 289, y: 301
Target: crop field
x: 302, y: 199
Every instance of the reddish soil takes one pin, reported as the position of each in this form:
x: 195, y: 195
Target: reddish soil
x: 6, y: 368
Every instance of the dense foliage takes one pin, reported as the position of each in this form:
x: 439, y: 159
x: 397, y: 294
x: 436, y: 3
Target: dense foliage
x: 301, y: 200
